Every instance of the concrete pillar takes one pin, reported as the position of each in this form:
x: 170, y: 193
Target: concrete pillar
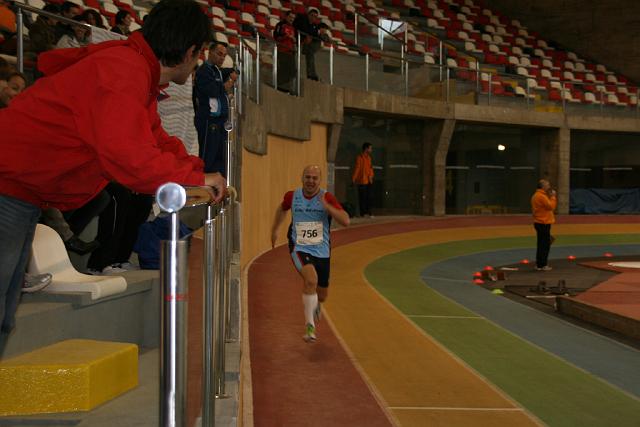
x: 437, y: 137
x: 333, y: 137
x: 555, y: 160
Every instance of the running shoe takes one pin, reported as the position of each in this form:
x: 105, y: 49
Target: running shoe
x: 545, y: 268
x: 310, y: 335
x: 35, y: 282
x: 317, y: 313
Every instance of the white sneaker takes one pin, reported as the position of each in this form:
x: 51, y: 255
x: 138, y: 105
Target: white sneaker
x: 545, y: 268
x: 112, y: 270
x: 310, y: 334
x: 35, y: 282
x: 128, y: 266
x: 94, y: 272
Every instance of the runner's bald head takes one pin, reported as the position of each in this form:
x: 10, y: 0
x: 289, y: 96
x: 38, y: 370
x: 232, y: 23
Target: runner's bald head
x: 312, y: 168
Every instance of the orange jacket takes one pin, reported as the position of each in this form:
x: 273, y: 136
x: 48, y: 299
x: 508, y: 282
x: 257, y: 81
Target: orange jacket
x: 543, y: 206
x: 363, y: 171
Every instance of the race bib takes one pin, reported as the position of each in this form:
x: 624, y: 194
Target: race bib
x: 309, y: 233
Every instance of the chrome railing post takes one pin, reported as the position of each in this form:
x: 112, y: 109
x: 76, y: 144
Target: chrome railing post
x: 448, y: 88
x: 275, y: 65
x: 406, y: 78
x: 562, y: 87
x: 331, y: 52
x: 601, y: 100
x: 238, y: 87
x: 355, y: 28
x: 366, y: 72
x: 528, y: 92
x: 208, y: 382
x: 20, y: 36
x: 257, y: 68
x: 221, y: 231
x: 441, y: 60
x: 478, y: 79
x: 171, y: 198
x: 490, y: 88
x: 298, y: 59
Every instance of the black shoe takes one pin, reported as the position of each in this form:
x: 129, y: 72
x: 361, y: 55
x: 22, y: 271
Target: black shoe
x: 81, y: 247
x: 314, y: 78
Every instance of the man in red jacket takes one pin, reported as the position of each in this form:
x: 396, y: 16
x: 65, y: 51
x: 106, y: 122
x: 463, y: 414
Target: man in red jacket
x: 93, y: 119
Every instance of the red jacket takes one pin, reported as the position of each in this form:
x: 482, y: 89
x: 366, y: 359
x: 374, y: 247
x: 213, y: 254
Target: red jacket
x: 92, y: 119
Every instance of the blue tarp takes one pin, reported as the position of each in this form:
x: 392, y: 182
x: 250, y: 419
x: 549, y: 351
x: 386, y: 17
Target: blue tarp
x: 604, y: 201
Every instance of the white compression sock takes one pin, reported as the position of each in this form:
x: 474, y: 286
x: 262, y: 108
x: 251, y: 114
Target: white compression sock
x: 310, y: 302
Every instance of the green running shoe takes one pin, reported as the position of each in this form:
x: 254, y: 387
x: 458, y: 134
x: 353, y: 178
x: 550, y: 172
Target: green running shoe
x: 310, y: 335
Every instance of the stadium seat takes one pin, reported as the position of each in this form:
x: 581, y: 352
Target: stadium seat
x: 48, y: 255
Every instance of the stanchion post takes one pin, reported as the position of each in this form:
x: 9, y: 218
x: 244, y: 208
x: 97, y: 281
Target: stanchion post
x: 220, y: 310
x: 173, y: 280
x: 210, y: 267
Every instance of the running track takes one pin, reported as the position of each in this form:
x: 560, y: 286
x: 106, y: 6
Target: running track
x: 393, y: 349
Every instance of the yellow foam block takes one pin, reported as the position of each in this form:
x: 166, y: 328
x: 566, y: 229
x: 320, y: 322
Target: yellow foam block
x: 72, y: 375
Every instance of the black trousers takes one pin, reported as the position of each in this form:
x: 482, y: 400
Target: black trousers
x: 543, y: 233
x: 212, y: 142
x: 364, y: 199
x: 118, y: 226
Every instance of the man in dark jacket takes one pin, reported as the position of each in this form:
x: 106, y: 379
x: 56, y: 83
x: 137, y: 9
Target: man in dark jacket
x: 306, y: 24
x: 211, y: 98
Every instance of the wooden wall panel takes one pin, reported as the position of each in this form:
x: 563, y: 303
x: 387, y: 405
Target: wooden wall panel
x: 265, y: 179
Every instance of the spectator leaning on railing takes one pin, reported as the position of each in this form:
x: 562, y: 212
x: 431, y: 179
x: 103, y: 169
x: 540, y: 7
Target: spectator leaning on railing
x: 61, y: 147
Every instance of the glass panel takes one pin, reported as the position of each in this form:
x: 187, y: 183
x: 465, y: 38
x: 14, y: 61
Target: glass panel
x: 491, y: 169
x: 397, y: 161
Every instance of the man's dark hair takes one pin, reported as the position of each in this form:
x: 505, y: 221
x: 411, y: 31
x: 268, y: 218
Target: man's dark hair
x: 365, y: 146
x: 172, y: 27
x: 67, y: 6
x: 217, y: 43
x: 52, y: 8
x: 121, y: 15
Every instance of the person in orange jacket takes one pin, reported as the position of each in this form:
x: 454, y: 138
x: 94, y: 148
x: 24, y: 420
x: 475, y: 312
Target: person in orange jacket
x: 543, y: 203
x: 363, y: 177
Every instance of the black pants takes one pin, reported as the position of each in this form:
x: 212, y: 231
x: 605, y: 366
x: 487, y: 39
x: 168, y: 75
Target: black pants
x: 364, y: 199
x: 78, y: 219
x: 212, y: 145
x: 543, y: 233
x: 309, y: 51
x: 286, y: 71
x: 118, y: 226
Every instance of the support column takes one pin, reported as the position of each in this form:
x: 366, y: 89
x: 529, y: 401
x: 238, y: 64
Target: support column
x: 555, y: 160
x: 437, y: 137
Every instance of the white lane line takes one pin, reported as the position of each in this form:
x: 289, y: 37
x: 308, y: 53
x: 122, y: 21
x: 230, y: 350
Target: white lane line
x: 444, y: 317
x: 438, y: 408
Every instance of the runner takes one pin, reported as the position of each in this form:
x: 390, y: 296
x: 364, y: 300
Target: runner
x: 309, y: 240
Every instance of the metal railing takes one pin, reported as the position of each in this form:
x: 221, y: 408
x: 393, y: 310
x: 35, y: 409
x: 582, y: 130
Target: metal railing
x: 172, y: 199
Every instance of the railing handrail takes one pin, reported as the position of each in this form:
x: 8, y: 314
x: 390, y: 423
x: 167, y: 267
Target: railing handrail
x: 50, y: 15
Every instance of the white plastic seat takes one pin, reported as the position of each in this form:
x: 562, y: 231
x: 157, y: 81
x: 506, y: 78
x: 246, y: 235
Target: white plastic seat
x: 432, y: 23
x: 580, y: 67
x: 547, y: 74
x: 468, y: 27
x: 525, y: 62
x: 498, y: 40
x: 568, y: 75
x: 569, y: 65
x: 262, y: 9
x: 520, y: 41
x: 110, y: 8
x: 523, y: 32
x: 471, y: 47
x: 494, y: 20
x: 543, y: 44
x: 486, y: 38
x: 513, y: 60
x: 516, y: 23
x: 490, y: 29
x: 501, y: 30
x: 521, y: 71
x: 591, y: 98
x: 462, y: 35
x: 48, y: 255
x: 451, y: 63
x: 462, y: 17
x: 611, y: 78
x: 548, y: 64
x: 613, y: 99
x: 466, y: 11
x: 221, y: 38
x: 429, y: 59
